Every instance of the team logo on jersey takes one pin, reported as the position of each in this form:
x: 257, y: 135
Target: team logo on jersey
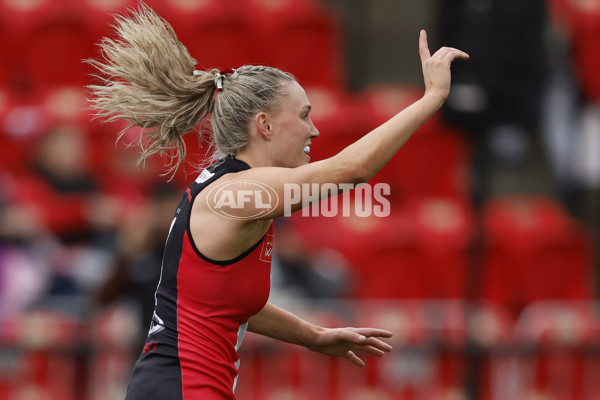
x: 156, y: 325
x: 266, y: 253
x: 242, y: 199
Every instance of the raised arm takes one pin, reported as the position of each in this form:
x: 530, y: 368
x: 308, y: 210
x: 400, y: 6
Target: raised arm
x: 282, y: 325
x: 373, y: 151
x: 361, y: 160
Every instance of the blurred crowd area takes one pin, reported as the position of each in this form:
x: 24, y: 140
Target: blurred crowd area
x: 486, y: 269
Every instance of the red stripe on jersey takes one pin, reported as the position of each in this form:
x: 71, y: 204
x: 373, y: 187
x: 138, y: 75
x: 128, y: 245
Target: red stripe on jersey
x: 213, y: 302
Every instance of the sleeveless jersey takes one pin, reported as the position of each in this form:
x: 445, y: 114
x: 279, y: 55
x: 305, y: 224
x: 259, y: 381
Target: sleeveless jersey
x: 201, y: 312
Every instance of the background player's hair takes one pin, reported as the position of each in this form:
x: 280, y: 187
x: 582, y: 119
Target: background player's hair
x: 148, y: 79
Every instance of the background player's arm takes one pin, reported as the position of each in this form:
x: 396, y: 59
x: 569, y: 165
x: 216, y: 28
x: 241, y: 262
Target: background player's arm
x: 282, y: 325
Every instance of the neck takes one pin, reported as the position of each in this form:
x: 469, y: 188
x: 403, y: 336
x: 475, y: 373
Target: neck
x: 253, y: 160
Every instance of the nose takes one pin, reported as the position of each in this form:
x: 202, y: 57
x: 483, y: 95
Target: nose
x: 314, y: 132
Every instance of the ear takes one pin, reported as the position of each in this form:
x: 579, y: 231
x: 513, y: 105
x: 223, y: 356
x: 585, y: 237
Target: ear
x: 263, y: 125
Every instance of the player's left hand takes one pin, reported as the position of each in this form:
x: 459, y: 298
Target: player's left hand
x: 343, y: 342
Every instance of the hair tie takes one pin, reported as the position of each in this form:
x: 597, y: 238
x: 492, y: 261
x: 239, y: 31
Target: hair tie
x: 219, y: 76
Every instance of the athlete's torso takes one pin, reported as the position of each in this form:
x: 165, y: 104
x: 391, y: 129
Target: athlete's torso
x: 202, y: 309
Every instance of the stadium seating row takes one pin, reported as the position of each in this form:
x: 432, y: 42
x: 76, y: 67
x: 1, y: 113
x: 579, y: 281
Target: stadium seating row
x: 442, y: 350
x: 44, y: 41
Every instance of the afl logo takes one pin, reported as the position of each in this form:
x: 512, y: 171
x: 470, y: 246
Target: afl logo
x: 228, y: 199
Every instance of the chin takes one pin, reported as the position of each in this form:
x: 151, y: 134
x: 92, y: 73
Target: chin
x: 304, y: 160
x: 298, y: 164
x: 292, y: 162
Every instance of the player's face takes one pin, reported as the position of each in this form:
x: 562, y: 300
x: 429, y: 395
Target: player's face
x: 293, y: 130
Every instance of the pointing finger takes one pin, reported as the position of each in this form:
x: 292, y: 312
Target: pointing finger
x: 423, y: 47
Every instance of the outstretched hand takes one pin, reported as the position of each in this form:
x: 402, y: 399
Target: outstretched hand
x: 436, y: 67
x: 344, y: 342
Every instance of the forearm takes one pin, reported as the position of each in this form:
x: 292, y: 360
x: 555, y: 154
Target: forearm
x: 278, y: 324
x: 282, y: 325
x: 376, y: 148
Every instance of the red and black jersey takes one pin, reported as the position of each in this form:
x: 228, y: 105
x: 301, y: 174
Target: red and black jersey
x: 201, y: 312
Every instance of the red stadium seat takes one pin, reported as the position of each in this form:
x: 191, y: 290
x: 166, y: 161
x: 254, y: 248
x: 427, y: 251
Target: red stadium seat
x: 533, y: 251
x: 418, y: 251
x: 17, y: 19
x: 372, y: 245
x: 215, y: 34
x: 23, y: 15
x: 98, y: 18
x: 298, y: 36
x: 99, y: 14
x: 443, y: 229
x: 563, y: 334
x: 427, y: 260
x: 55, y: 51
x: 49, y: 40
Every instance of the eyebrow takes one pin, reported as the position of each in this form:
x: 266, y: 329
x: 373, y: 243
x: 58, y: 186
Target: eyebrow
x: 307, y: 107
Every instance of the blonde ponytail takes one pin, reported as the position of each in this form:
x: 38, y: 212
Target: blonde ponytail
x: 148, y: 79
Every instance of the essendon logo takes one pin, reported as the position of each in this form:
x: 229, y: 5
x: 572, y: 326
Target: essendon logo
x: 266, y: 253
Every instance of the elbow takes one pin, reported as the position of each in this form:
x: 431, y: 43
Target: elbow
x: 349, y: 169
x: 355, y: 173
x: 360, y: 174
